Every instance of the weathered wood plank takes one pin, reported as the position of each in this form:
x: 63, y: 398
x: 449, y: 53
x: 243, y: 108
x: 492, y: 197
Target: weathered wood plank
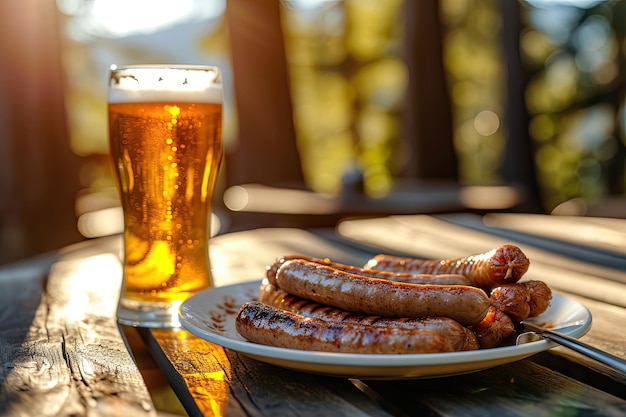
x: 213, y: 381
x: 593, y: 241
x: 601, y: 232
x: 61, y: 349
x: 520, y: 389
x: 605, y: 334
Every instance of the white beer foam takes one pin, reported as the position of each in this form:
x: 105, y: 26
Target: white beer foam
x: 166, y: 84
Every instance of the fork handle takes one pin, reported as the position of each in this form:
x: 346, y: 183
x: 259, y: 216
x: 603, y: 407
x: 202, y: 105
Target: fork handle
x: 589, y: 351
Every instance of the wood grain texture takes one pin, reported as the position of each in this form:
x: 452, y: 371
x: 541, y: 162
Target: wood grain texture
x: 522, y: 388
x: 218, y: 382
x: 605, y: 334
x: 61, y: 349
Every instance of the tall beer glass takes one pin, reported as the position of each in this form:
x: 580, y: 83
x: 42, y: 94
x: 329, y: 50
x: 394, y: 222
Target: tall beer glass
x: 165, y: 136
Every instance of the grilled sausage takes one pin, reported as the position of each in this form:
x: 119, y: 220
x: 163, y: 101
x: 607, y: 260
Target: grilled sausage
x: 522, y: 300
x: 494, y: 329
x: 439, y: 279
x: 512, y: 299
x: 504, y: 264
x: 326, y: 285
x: 264, y: 324
x: 540, y: 296
x: 459, y: 336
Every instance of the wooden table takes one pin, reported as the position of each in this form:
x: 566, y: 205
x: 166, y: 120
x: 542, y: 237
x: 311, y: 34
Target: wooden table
x: 63, y: 354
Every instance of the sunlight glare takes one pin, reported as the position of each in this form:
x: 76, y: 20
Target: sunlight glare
x: 95, y: 275
x: 121, y: 17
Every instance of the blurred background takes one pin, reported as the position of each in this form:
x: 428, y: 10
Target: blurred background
x: 331, y: 98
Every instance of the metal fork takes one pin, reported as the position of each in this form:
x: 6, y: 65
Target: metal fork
x: 601, y: 356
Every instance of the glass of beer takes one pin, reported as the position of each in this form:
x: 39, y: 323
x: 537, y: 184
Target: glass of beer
x: 165, y: 137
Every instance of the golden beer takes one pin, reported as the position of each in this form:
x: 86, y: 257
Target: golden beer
x: 166, y: 155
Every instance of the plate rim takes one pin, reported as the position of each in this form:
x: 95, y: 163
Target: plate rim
x: 361, y: 360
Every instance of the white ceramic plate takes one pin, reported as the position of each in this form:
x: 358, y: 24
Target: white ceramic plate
x: 211, y: 314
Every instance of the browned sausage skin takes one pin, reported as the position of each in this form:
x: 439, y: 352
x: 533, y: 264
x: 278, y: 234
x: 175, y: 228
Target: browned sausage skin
x: 504, y: 264
x: 522, y: 300
x: 459, y: 336
x: 540, y: 296
x: 371, y: 296
x: 264, y: 324
x: 512, y: 299
x: 511, y: 304
x: 494, y: 329
x: 439, y: 279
